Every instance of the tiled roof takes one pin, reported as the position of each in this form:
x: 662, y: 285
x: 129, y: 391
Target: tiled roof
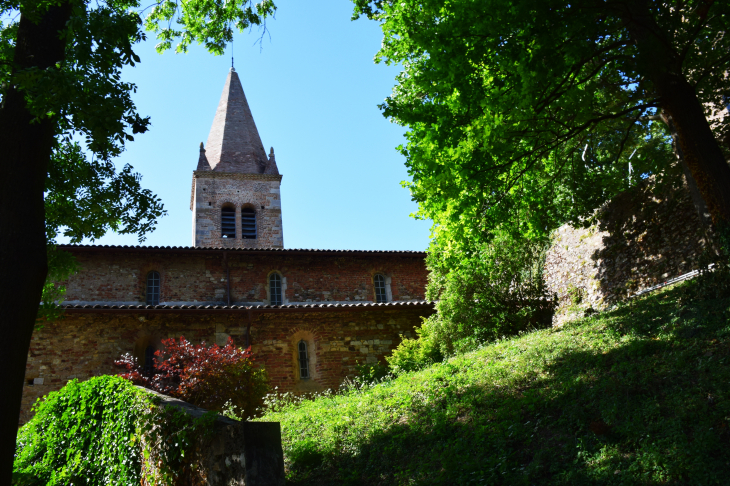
x: 174, y: 249
x: 256, y: 308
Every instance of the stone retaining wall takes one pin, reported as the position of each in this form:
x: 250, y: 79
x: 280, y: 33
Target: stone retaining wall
x: 235, y: 453
x: 642, y: 237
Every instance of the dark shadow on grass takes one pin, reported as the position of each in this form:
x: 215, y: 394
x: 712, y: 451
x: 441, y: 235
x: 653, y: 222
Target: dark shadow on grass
x: 654, y: 410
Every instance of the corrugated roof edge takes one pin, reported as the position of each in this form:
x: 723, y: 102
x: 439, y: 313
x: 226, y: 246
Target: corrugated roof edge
x: 238, y: 250
x: 253, y: 309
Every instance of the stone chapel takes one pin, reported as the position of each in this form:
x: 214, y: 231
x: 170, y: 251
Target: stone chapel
x: 310, y: 316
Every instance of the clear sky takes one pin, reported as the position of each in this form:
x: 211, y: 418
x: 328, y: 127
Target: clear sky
x: 313, y: 89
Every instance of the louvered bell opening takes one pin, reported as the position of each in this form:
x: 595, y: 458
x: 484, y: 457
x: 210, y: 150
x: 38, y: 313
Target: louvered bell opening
x: 248, y: 224
x: 228, y: 223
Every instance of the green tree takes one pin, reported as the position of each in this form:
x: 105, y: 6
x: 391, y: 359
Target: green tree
x: 525, y: 114
x: 555, y: 95
x: 60, y: 64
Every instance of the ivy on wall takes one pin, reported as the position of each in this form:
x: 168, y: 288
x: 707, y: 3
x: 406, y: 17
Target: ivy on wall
x: 107, y: 431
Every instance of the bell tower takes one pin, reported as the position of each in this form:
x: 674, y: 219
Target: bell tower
x: 236, y: 199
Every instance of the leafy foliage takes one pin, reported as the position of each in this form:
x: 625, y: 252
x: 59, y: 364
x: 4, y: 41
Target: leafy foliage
x: 85, y: 199
x: 495, y: 290
x: 61, y: 265
x: 523, y: 116
x: 106, y: 431
x: 85, y: 430
x: 206, y: 22
x: 541, y: 104
x: 85, y: 195
x: 638, y: 395
x: 415, y: 354
x: 215, y: 378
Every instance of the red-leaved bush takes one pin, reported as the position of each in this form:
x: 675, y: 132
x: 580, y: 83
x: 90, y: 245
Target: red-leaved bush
x: 211, y: 377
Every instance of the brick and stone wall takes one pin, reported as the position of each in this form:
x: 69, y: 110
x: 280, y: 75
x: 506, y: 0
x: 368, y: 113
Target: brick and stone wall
x: 260, y: 192
x: 643, y: 237
x: 86, y: 343
x: 118, y: 275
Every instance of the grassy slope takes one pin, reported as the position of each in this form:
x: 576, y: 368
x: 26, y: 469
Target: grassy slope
x: 639, y: 395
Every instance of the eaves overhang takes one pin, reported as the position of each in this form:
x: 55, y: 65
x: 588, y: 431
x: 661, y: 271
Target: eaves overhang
x: 241, y: 309
x: 256, y: 251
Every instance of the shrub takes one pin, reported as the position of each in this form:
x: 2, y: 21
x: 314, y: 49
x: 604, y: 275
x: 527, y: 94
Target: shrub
x: 414, y: 354
x: 85, y: 430
x: 496, y: 290
x: 215, y: 378
x: 107, y: 431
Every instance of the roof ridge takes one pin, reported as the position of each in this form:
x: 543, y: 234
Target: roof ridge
x: 212, y: 248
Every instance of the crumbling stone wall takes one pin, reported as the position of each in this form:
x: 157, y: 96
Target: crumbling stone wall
x: 86, y: 343
x: 642, y: 237
x: 233, y: 452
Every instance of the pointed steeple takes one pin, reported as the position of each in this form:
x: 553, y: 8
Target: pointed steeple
x: 203, y: 163
x: 234, y: 144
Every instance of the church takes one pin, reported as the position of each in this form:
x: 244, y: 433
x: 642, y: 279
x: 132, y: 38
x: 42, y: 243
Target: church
x: 310, y: 316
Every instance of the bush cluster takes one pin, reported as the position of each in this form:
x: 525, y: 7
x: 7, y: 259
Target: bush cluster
x: 213, y: 377
x: 106, y: 431
x: 494, y: 291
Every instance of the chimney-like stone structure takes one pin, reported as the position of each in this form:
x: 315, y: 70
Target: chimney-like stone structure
x: 235, y: 196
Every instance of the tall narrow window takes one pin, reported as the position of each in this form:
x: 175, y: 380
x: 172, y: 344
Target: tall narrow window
x: 380, y: 294
x: 248, y: 223
x: 153, y: 288
x: 228, y: 222
x: 275, y: 289
x: 303, y: 361
x: 149, y: 360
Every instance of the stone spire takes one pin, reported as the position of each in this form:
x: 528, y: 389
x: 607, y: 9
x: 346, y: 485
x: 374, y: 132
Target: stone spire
x: 203, y: 163
x: 234, y: 144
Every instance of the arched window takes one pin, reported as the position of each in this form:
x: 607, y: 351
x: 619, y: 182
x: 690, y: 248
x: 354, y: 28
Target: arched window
x: 149, y: 359
x: 380, y: 293
x: 228, y: 222
x: 303, y: 360
x: 275, y: 289
x: 248, y: 223
x: 153, y: 288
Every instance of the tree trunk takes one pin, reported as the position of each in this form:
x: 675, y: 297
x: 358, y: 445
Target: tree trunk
x: 660, y: 62
x: 694, y: 192
x: 26, y: 150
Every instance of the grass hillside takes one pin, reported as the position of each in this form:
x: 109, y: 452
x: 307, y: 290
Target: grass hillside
x: 638, y: 395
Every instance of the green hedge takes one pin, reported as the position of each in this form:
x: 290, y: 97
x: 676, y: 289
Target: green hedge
x: 98, y: 432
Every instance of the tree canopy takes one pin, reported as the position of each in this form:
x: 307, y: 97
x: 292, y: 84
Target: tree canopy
x: 526, y: 114
x: 535, y: 112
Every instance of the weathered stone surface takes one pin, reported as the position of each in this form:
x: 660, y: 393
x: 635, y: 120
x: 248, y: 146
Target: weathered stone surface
x: 83, y: 345
x: 258, y: 192
x: 643, y: 237
x: 118, y: 275
x: 236, y: 453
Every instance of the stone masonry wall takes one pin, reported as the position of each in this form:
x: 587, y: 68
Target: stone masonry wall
x: 85, y: 344
x: 260, y: 192
x: 119, y: 276
x: 643, y: 237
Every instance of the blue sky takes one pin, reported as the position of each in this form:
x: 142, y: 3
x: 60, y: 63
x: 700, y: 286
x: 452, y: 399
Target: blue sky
x: 313, y: 89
